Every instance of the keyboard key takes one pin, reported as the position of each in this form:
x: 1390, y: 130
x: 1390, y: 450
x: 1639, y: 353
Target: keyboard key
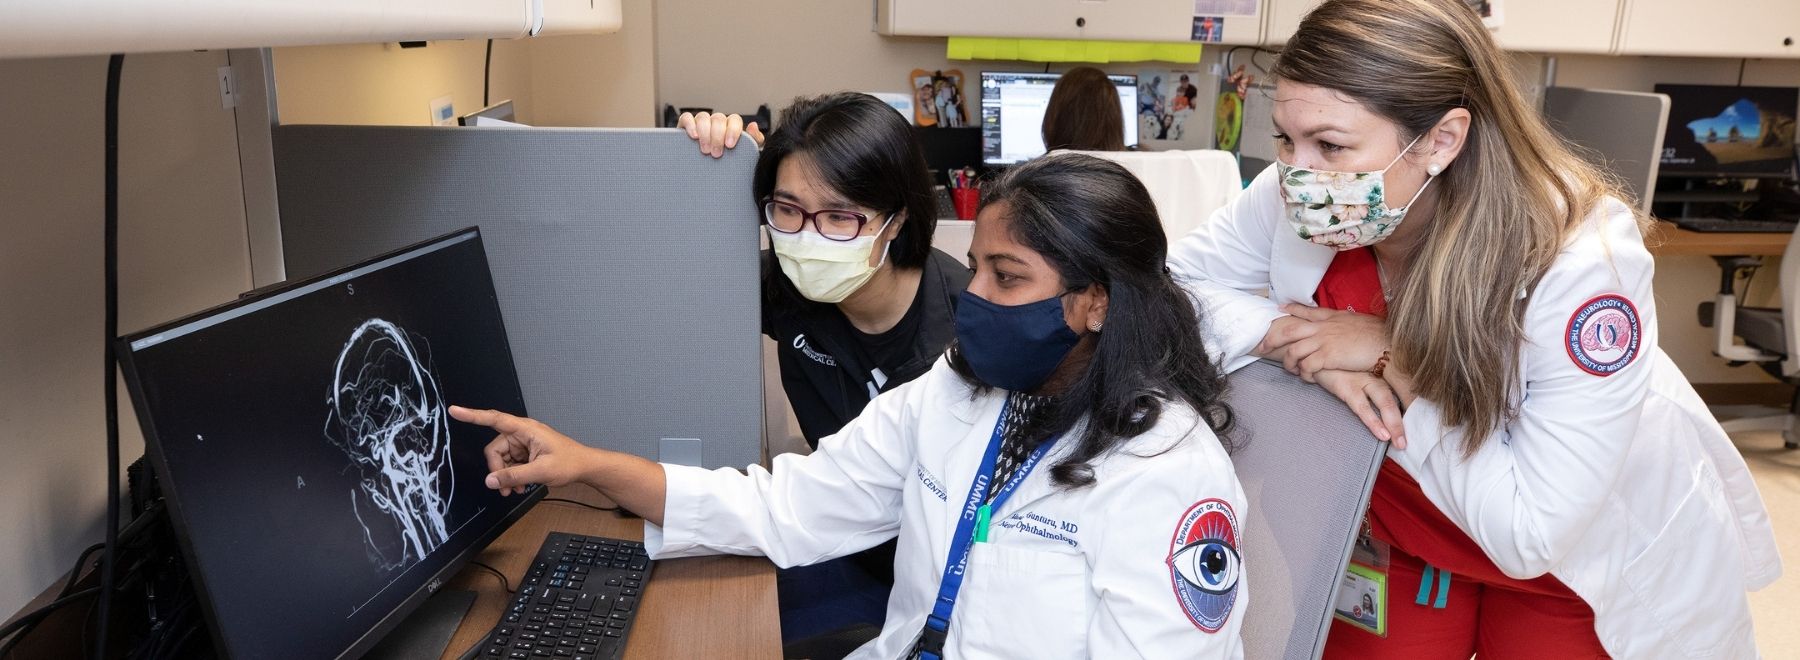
x: 616, y: 625
x: 585, y: 603
x: 613, y: 582
x: 629, y: 592
x: 625, y: 604
x: 517, y: 655
x: 614, y: 633
x: 587, y: 649
x: 564, y: 653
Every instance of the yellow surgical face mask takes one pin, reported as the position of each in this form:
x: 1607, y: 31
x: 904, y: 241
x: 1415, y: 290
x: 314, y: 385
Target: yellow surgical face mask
x: 825, y: 270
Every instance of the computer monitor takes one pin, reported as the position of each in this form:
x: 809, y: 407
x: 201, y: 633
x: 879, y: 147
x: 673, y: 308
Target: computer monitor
x: 1720, y: 131
x: 318, y: 488
x: 1012, y: 114
x: 502, y: 111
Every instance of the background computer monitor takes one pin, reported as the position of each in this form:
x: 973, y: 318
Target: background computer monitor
x: 502, y: 111
x: 317, y: 485
x: 1012, y: 113
x: 1724, y: 131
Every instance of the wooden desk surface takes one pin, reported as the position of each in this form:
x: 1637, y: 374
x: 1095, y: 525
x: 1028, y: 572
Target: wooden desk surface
x: 707, y: 607
x: 1677, y: 241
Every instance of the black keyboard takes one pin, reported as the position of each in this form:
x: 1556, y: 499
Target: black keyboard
x: 1726, y: 225
x: 577, y: 601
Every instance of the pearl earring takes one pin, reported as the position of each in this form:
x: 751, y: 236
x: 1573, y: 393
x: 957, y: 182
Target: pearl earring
x: 1434, y: 169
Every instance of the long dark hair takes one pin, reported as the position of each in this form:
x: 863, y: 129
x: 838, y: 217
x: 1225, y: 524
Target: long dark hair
x: 1084, y: 113
x: 864, y: 151
x: 1095, y: 224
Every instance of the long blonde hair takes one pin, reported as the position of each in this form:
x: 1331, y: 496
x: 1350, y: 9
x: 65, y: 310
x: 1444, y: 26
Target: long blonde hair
x: 1504, y: 208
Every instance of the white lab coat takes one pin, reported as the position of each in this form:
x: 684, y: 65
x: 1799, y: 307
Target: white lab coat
x: 1067, y: 573
x: 1624, y: 487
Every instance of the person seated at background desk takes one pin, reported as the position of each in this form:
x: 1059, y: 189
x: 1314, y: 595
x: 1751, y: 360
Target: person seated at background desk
x: 854, y: 295
x: 1083, y: 113
x: 1076, y: 351
x: 1555, y: 489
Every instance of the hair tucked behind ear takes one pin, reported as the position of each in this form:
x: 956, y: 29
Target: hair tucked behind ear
x: 1096, y: 225
x: 1504, y: 207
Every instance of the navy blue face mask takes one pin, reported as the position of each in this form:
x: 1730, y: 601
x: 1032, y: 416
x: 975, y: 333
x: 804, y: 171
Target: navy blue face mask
x: 1013, y: 347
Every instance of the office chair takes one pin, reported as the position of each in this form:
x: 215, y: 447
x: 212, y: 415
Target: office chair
x: 1187, y: 185
x: 1307, y: 466
x: 1771, y: 335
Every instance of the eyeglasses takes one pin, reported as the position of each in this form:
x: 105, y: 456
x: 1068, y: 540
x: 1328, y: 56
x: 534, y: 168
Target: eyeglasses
x: 831, y: 223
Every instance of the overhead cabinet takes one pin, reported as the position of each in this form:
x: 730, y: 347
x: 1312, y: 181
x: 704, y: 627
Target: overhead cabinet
x: 1121, y: 20
x: 1713, y: 28
x: 1551, y: 26
x: 91, y: 27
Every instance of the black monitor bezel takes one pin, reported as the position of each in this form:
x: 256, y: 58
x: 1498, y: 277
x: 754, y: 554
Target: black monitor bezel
x: 994, y: 161
x: 153, y: 449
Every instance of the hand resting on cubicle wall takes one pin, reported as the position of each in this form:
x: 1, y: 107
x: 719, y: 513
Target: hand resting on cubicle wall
x: 1339, y: 351
x: 717, y: 132
x: 529, y: 452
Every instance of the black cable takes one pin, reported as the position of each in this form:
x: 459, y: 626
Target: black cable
x: 487, y: 72
x: 595, y: 507
x: 113, y: 68
x: 504, y: 583
x: 1741, y: 64
x: 26, y: 622
x: 80, y: 561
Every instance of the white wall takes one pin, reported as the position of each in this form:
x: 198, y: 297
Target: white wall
x: 385, y: 84
x: 182, y: 248
x: 579, y: 80
x: 598, y: 80
x: 715, y: 53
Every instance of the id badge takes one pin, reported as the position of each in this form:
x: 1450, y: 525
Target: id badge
x: 1362, y: 599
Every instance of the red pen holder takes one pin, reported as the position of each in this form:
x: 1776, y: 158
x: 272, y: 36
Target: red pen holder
x: 967, y: 201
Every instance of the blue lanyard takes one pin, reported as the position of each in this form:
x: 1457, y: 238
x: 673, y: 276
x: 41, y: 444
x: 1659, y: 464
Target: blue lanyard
x: 971, y: 529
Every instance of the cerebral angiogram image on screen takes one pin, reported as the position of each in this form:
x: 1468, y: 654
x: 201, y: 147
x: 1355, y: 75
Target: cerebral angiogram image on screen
x: 388, y: 417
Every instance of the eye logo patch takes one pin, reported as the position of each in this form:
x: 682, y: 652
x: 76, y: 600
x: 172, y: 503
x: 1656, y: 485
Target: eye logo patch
x: 1204, y: 565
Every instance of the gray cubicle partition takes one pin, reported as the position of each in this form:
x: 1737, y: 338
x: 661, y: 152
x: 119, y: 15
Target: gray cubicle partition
x: 625, y: 261
x: 1307, y: 466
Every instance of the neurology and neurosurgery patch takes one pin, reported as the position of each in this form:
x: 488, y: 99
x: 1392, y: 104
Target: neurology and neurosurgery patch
x: 1204, y: 566
x: 1603, y: 335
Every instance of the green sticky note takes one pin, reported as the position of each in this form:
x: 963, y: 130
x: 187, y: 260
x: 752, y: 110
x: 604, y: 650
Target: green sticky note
x: 1067, y: 50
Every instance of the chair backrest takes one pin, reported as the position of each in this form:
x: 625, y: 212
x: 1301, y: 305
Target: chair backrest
x: 1187, y: 185
x: 1790, y: 304
x: 1307, y: 466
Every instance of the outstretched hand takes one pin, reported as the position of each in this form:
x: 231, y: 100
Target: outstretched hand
x: 527, y: 452
x: 717, y: 132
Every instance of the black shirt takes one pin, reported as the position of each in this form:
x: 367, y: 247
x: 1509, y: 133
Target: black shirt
x: 830, y: 370
x: 890, y: 350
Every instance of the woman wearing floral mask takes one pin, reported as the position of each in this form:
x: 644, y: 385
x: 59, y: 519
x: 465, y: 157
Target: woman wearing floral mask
x: 1057, y: 482
x: 1436, y: 257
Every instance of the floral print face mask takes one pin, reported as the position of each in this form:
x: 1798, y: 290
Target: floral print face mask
x: 1342, y: 210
